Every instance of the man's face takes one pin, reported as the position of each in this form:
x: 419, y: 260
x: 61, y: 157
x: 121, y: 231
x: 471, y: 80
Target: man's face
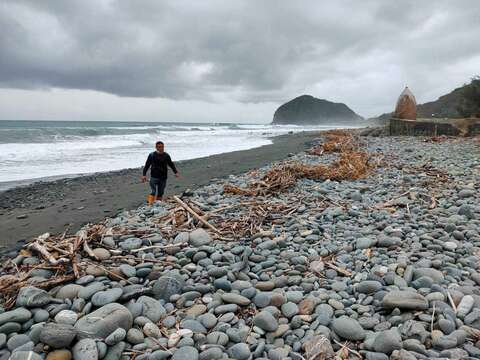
x: 159, y: 147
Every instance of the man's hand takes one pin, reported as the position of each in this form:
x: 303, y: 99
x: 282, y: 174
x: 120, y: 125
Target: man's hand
x: 177, y: 175
x: 143, y: 179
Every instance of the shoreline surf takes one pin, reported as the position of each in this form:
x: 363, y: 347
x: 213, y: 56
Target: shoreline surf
x: 37, y: 151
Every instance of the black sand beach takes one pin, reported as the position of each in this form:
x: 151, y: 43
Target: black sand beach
x: 29, y: 211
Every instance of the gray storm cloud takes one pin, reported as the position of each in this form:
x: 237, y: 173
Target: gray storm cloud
x: 245, y: 51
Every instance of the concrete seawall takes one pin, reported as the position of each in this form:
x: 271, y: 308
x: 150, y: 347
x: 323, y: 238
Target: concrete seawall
x: 451, y: 127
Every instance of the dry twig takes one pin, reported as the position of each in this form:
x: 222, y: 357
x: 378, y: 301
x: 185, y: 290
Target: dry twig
x: 195, y: 215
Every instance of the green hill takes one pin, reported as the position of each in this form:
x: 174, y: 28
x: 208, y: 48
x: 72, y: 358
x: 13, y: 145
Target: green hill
x: 308, y: 110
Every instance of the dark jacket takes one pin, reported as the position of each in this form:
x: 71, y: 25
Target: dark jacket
x: 159, y: 163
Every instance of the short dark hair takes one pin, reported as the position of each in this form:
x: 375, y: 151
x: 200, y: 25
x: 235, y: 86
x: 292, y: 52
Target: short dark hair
x: 158, y: 143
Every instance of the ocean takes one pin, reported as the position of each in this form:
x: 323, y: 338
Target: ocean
x: 32, y: 150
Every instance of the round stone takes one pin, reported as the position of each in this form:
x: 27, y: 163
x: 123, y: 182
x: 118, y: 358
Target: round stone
x: 265, y: 321
x: 233, y: 298
x: 151, y: 308
x: 58, y: 336
x: 208, y: 320
x: 167, y: 285
x: 368, y: 286
x: 69, y: 291
x: 223, y: 284
x: 104, y: 321
x: 128, y: 270
x: 185, y: 353
x: 16, y: 341
x: 289, y: 309
x: 211, y: 354
x: 101, y: 253
x: 32, y: 297
x: 169, y: 322
x: 85, y: 349
x: 348, y: 328
x: 239, y: 351
x: 68, y: 317
x: 109, y: 296
x: 115, y: 337
x: 199, y: 237
x: 217, y: 338
x: 387, y: 341
x: 59, y: 355
x: 41, y: 315
x: 135, y: 336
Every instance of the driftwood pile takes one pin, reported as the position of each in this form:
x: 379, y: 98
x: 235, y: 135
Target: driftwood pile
x: 352, y: 163
x: 257, y: 215
x: 60, y: 253
x: 337, y: 141
x: 68, y: 256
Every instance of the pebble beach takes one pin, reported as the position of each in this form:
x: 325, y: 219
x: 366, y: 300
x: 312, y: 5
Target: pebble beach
x: 381, y: 266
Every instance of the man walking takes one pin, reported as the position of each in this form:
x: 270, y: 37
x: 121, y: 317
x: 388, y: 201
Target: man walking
x: 158, y: 161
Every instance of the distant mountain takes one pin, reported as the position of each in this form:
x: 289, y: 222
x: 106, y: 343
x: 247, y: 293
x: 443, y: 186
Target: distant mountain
x: 307, y: 110
x: 446, y: 106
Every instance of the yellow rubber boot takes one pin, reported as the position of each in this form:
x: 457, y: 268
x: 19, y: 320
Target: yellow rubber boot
x: 150, y: 199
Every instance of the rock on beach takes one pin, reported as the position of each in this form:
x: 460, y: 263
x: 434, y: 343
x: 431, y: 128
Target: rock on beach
x: 103, y: 321
x: 348, y: 328
x: 408, y: 300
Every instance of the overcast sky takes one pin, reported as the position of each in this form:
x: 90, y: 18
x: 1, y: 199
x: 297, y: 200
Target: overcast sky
x: 228, y: 61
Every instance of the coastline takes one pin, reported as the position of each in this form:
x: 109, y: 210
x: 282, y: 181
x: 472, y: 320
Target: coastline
x: 52, y: 206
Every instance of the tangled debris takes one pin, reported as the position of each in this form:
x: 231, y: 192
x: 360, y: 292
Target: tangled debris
x: 352, y: 164
x: 337, y: 141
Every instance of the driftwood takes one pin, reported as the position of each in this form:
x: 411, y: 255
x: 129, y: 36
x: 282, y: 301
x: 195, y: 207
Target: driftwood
x: 159, y: 247
x: 433, y: 318
x: 339, y: 269
x: 347, y: 350
x: 9, y: 291
x: 195, y: 215
x: 352, y: 163
x: 113, y: 274
x: 337, y: 141
x: 452, y: 303
x: 42, y: 250
x: 61, y: 253
x: 390, y: 202
x: 82, y: 238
